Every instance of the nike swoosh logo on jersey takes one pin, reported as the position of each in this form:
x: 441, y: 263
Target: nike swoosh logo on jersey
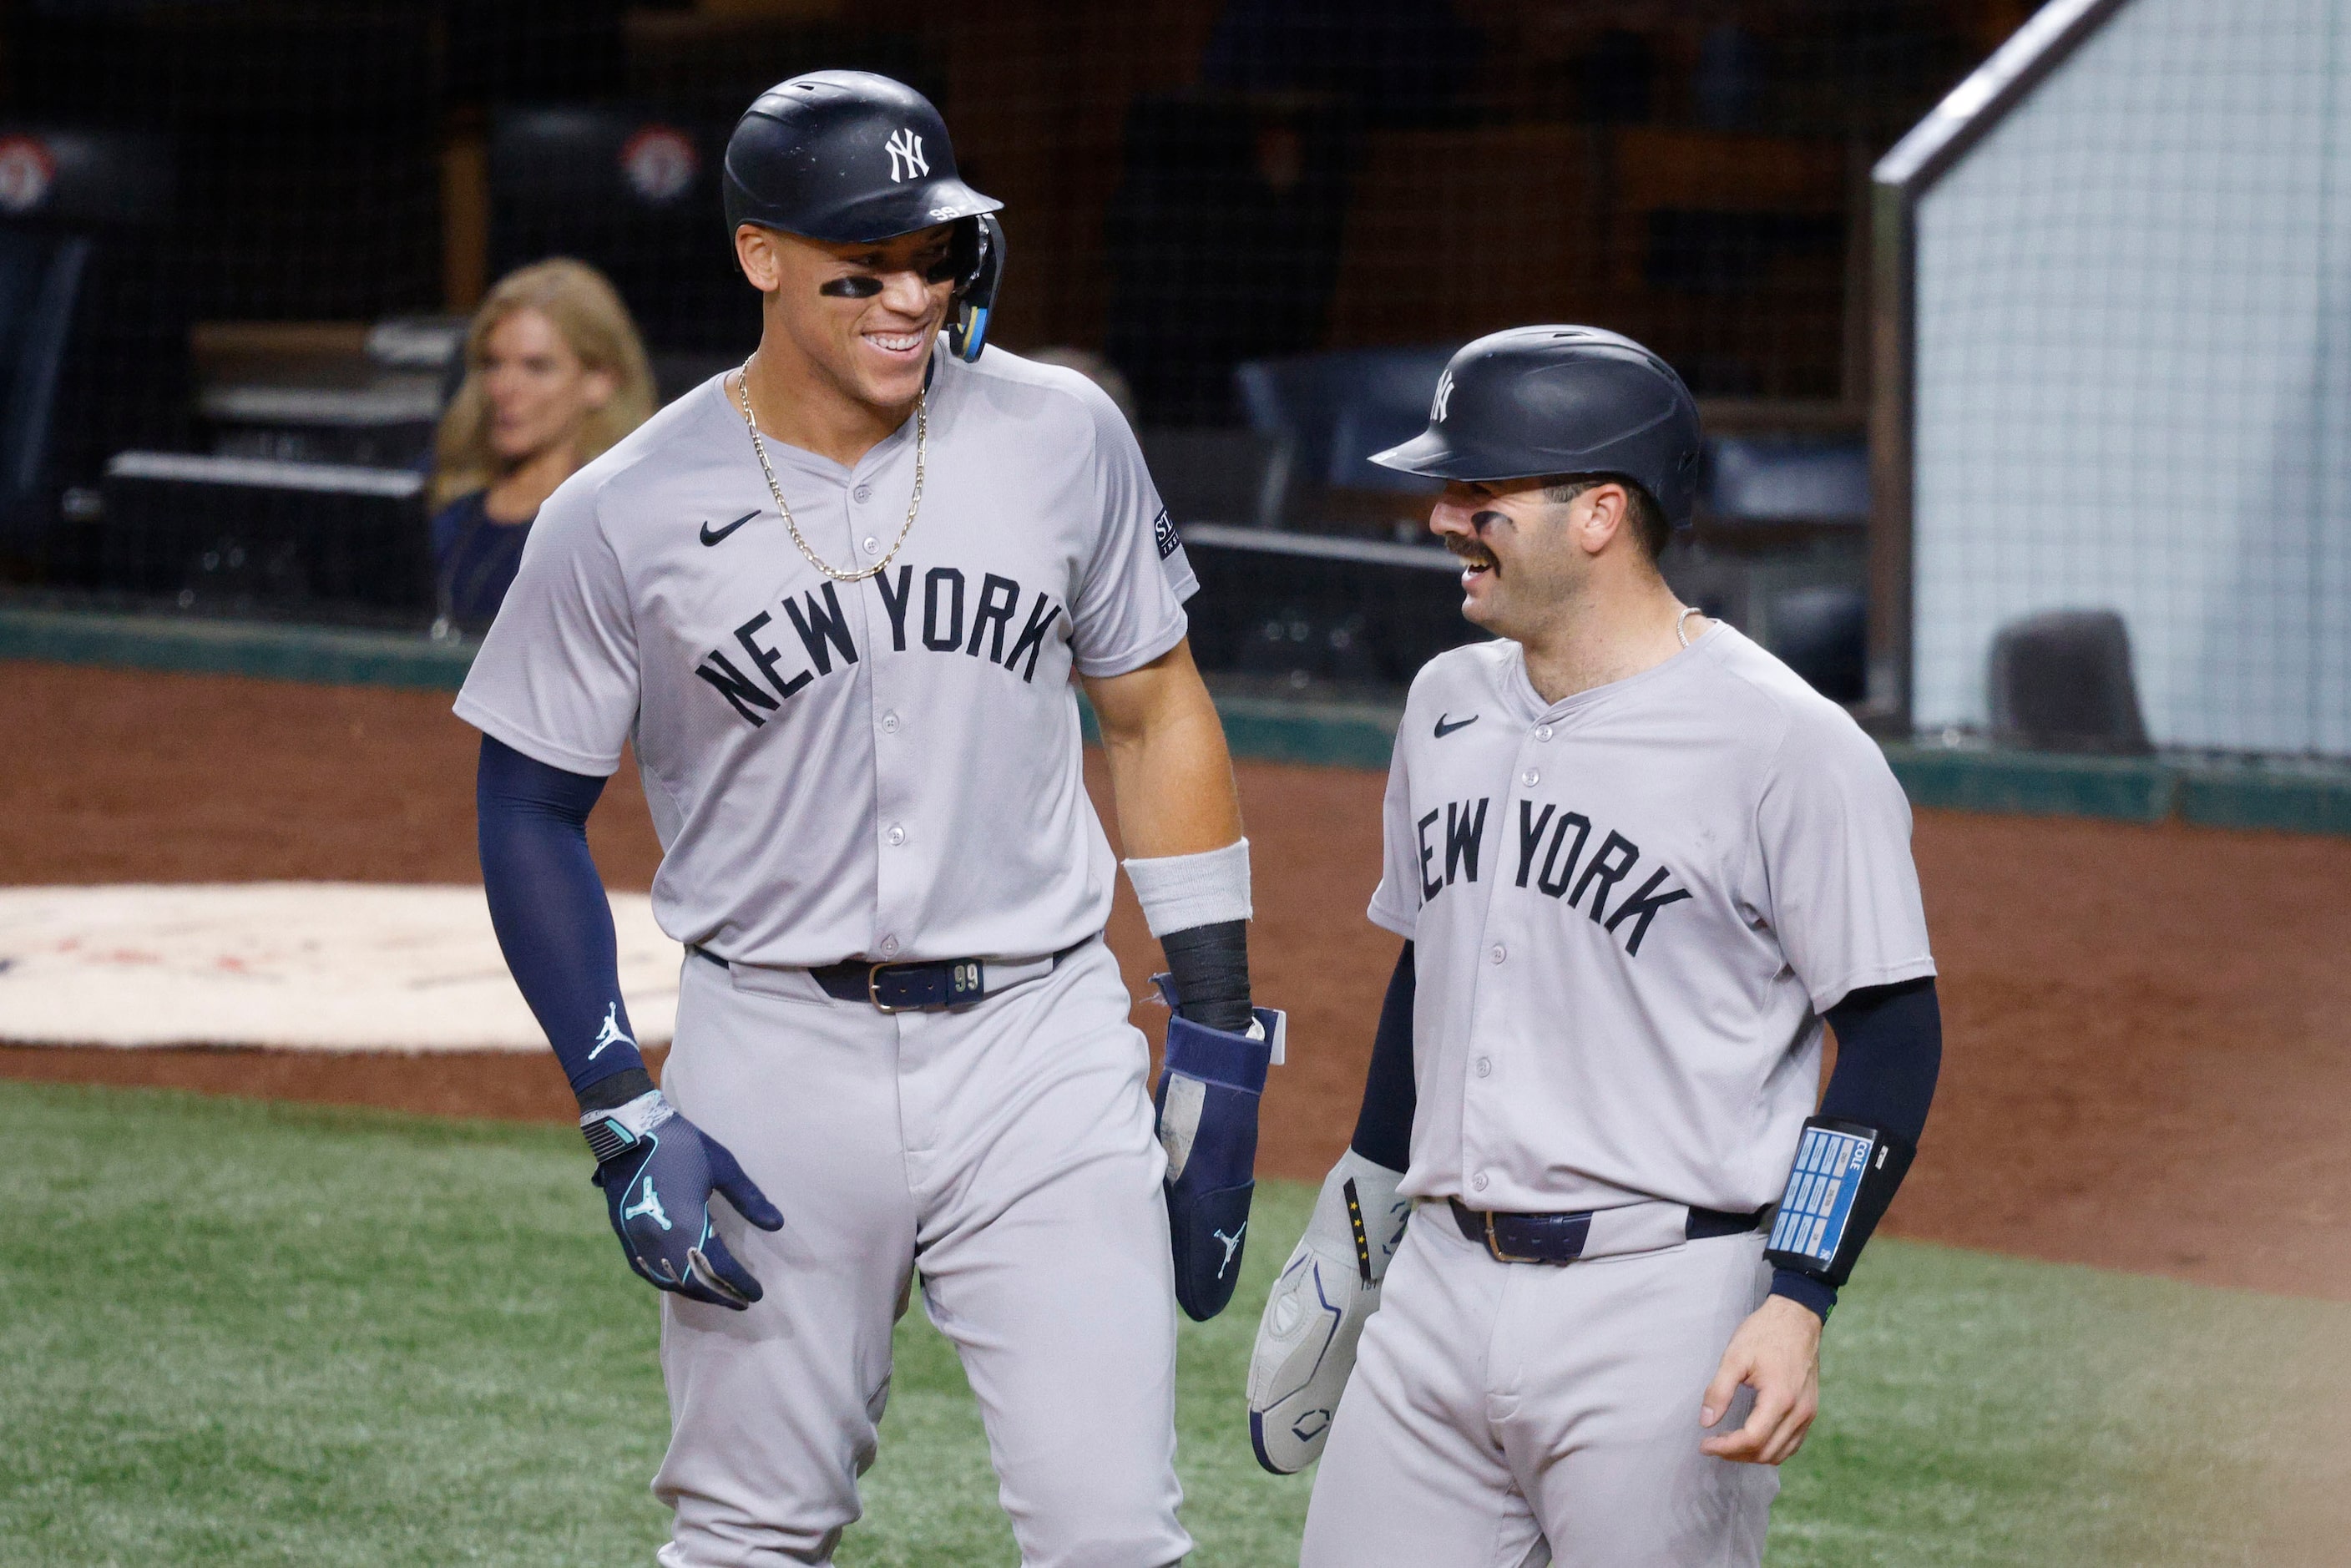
x: 1444, y: 729
x: 712, y: 536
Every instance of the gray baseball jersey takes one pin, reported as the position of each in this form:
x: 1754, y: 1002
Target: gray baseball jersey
x: 1629, y: 909
x: 888, y: 769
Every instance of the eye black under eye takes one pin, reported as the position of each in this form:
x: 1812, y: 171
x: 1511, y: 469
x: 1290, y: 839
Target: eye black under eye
x: 858, y: 287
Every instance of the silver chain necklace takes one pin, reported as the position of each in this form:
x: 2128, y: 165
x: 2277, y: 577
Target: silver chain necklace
x: 921, y: 433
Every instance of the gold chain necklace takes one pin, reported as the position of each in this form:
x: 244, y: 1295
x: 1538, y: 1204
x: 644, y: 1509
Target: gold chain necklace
x: 921, y: 433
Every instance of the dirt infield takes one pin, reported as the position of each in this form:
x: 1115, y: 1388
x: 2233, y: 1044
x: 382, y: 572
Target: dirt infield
x: 2145, y: 1068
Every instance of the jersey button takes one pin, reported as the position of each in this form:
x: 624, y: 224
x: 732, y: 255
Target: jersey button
x: 862, y: 493
x: 1497, y: 952
x: 897, y: 835
x: 889, y: 723
x: 1531, y: 777
x: 1477, y: 1182
x: 889, y: 946
x: 1542, y: 732
x: 1485, y: 1066
x: 873, y: 545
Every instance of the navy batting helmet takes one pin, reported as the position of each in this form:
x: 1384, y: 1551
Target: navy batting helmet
x: 850, y: 157
x: 1534, y: 401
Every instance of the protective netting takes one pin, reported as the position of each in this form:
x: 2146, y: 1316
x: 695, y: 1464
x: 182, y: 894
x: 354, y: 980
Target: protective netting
x: 250, y: 230
x: 2132, y: 402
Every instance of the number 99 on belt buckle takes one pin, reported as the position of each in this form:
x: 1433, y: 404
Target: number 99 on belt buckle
x: 965, y: 982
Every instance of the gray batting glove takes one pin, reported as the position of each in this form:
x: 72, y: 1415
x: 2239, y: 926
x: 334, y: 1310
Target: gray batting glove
x: 1306, y: 1339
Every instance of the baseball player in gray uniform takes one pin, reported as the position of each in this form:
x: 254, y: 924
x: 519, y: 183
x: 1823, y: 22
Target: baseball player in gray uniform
x: 1636, y: 861
x: 838, y: 603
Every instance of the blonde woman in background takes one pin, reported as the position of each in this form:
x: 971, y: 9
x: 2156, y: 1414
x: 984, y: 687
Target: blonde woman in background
x: 554, y: 374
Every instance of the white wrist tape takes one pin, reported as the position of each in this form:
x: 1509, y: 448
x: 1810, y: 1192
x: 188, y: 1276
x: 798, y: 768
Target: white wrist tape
x: 1179, y: 892
x: 623, y: 1127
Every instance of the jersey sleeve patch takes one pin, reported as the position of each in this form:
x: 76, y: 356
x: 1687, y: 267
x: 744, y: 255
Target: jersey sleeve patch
x: 1163, y: 534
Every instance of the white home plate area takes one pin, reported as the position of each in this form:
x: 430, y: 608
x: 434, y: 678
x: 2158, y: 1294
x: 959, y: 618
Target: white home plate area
x: 298, y: 965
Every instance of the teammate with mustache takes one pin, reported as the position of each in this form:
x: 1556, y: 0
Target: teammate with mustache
x: 1637, y: 862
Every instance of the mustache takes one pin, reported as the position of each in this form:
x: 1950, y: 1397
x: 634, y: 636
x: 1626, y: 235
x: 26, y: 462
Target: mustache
x: 1471, y: 547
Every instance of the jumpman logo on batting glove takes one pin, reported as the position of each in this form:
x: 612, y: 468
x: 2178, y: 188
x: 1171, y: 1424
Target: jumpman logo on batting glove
x: 648, y: 1206
x: 1206, y: 1101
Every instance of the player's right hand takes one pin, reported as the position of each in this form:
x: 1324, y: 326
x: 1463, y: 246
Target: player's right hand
x: 658, y: 1171
x: 1331, y: 1286
x: 1777, y: 1352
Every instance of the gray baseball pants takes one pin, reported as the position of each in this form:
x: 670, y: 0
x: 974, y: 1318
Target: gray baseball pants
x: 1007, y: 1150
x: 1508, y: 1414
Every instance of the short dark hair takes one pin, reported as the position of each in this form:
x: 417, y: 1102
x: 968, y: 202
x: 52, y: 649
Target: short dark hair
x: 1649, y: 525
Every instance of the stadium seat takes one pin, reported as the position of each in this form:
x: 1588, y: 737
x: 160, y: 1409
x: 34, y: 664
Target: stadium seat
x: 1298, y: 608
x: 1822, y: 632
x: 1786, y: 479
x: 328, y: 391
x: 2061, y: 681
x: 635, y: 194
x: 93, y: 335
x: 1331, y: 412
x: 1806, y: 602
x: 240, y: 535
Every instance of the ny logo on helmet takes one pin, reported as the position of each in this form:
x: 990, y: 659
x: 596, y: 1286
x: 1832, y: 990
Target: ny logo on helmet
x: 907, y: 159
x: 1443, y: 396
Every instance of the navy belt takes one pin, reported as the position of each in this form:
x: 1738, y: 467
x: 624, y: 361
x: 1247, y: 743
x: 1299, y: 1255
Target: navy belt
x: 1561, y: 1237
x: 925, y: 983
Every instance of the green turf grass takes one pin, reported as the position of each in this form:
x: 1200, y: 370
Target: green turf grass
x: 250, y: 1334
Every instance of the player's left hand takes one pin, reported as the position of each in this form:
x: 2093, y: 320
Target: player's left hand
x: 1776, y: 1352
x: 1206, y: 1104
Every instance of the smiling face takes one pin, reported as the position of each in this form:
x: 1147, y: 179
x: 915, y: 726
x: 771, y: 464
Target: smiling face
x: 861, y: 318
x: 538, y: 390
x: 1525, y: 557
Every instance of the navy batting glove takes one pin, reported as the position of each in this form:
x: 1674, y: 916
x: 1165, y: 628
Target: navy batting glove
x: 658, y: 1171
x: 1207, y: 1100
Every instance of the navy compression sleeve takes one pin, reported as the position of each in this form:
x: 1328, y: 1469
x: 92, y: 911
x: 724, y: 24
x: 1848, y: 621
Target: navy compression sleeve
x: 1889, y: 1054
x: 1383, y: 1127
x: 553, y: 923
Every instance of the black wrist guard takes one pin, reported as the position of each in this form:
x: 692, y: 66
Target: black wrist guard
x: 1210, y: 964
x: 610, y: 1093
x: 1844, y: 1175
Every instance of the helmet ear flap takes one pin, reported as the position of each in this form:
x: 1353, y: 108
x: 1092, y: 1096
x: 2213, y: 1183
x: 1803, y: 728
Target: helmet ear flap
x: 978, y: 258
